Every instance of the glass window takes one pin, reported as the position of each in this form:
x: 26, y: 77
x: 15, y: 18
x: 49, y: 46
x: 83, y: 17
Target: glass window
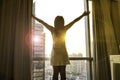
x: 78, y: 41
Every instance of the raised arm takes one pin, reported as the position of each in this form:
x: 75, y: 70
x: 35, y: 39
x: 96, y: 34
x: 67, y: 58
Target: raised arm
x: 77, y: 19
x: 44, y: 23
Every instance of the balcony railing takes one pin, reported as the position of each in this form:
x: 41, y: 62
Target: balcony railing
x: 77, y: 70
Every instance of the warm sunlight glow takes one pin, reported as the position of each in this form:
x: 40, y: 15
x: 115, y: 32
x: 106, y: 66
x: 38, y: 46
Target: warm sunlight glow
x: 36, y: 39
x: 47, y: 10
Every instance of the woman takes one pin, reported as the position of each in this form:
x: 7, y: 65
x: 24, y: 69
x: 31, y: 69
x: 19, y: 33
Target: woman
x: 59, y: 55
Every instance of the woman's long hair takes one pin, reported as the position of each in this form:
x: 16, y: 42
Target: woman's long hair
x: 59, y: 22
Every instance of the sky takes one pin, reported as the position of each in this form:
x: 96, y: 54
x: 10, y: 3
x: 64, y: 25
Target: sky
x: 47, y: 10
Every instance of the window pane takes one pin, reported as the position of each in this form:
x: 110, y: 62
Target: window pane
x: 47, y: 10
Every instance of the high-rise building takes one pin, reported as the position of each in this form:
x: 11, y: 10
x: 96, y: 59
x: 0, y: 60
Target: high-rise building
x: 38, y: 39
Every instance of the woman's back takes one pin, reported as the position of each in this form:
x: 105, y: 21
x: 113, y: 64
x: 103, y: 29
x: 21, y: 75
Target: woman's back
x: 59, y: 54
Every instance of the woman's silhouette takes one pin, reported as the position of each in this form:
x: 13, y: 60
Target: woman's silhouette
x: 59, y: 55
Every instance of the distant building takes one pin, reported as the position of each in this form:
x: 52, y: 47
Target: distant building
x: 39, y: 45
x: 38, y: 39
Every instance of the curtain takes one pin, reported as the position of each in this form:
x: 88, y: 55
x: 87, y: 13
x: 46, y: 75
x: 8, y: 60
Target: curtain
x: 104, y: 38
x: 15, y: 47
x: 115, y: 15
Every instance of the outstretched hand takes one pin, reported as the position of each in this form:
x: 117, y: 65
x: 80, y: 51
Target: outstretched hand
x: 86, y: 13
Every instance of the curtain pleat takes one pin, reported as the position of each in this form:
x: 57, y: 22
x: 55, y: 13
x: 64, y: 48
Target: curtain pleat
x: 115, y: 15
x: 15, y: 26
x: 104, y: 37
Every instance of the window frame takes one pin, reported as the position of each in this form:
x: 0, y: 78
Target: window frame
x: 88, y: 58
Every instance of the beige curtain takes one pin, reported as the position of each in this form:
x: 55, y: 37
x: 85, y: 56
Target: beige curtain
x: 15, y: 47
x: 104, y: 38
x: 115, y: 15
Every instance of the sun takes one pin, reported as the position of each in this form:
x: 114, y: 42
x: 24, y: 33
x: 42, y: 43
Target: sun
x: 36, y: 39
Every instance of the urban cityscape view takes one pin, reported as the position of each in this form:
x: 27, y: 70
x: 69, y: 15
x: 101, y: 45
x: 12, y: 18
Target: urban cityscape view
x: 41, y: 68
x: 77, y: 70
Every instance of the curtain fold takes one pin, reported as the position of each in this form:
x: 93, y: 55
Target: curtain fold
x: 115, y: 15
x: 15, y: 51
x: 104, y: 38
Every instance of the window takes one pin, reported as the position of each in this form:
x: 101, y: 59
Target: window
x: 79, y: 40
